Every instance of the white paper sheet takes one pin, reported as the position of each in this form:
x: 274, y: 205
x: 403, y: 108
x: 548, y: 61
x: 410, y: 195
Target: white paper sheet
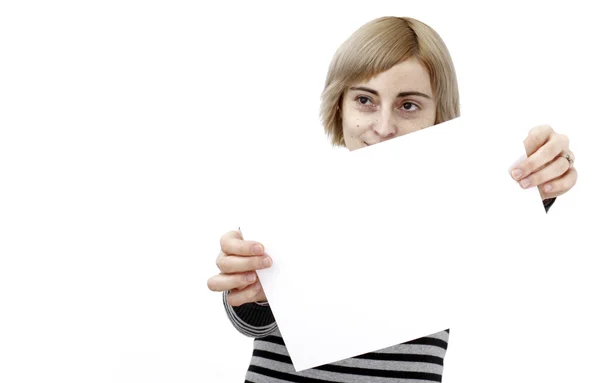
x: 392, y: 242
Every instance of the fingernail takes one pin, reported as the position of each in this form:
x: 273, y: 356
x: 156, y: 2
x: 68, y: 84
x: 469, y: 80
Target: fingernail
x: 517, y: 173
x: 267, y: 262
x: 250, y: 277
x: 548, y: 188
x: 256, y: 250
x: 525, y: 183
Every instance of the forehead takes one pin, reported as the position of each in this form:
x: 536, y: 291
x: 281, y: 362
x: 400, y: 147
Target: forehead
x: 407, y: 75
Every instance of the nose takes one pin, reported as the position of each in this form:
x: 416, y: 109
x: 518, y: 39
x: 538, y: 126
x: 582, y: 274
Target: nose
x: 385, y: 127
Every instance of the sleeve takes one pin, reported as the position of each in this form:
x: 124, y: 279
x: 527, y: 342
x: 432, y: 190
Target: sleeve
x: 254, y: 320
x: 548, y: 203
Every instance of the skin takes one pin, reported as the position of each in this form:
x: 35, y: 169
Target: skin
x: 393, y: 103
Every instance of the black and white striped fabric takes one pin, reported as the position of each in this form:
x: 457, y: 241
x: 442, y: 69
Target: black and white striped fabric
x: 420, y: 360
x: 417, y: 361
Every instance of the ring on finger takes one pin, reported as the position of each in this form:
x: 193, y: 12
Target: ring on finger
x: 569, y: 158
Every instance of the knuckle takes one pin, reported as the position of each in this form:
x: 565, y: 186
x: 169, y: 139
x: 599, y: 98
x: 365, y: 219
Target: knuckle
x: 259, y: 291
x: 224, y: 241
x: 540, y: 130
x: 249, y: 294
x: 243, y: 279
x: 222, y: 264
x: 554, y: 144
x: 558, y: 186
x: 533, y: 131
x: 558, y: 139
x: 253, y: 292
x: 240, y: 298
x: 233, y: 300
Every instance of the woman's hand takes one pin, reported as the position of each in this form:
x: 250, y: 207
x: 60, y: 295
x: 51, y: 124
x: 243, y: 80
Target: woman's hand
x: 238, y: 262
x: 549, y: 163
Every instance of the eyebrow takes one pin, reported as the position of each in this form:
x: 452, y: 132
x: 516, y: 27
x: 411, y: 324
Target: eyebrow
x: 401, y: 94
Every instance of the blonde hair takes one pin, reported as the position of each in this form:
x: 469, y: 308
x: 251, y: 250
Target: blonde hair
x: 378, y: 46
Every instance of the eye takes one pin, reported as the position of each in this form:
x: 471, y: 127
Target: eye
x: 363, y: 100
x: 410, y: 106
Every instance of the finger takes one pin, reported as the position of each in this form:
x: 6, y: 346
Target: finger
x: 555, y: 169
x: 560, y: 185
x: 235, y: 264
x: 570, y: 153
x: 252, y: 293
x: 221, y: 255
x: 232, y: 243
x: 224, y: 282
x: 536, y: 138
x: 541, y: 156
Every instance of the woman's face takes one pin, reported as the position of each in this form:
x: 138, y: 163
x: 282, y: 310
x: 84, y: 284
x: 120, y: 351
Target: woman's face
x: 391, y: 104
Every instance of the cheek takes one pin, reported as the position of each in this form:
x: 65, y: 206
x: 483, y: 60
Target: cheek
x: 354, y: 124
x: 425, y: 121
x: 354, y: 128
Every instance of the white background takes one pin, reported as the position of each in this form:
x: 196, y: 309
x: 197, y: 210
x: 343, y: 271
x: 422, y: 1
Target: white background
x: 123, y: 128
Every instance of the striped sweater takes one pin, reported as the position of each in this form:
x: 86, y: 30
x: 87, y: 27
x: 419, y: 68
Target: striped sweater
x: 418, y: 361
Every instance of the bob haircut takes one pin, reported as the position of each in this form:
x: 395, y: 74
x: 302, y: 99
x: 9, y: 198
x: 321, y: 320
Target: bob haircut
x: 375, y: 48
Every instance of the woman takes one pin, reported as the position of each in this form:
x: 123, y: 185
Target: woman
x: 392, y: 77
